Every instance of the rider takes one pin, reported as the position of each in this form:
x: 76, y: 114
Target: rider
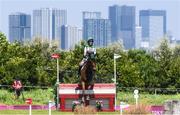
x: 89, y: 52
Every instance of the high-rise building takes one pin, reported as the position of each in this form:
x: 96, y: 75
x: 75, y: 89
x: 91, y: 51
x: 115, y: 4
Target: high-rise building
x: 97, y: 28
x: 59, y: 18
x: 123, y: 25
x: 80, y: 34
x: 47, y: 24
x: 70, y: 36
x: 41, y: 24
x: 138, y: 38
x: 153, y: 23
x: 91, y: 15
x: 19, y: 27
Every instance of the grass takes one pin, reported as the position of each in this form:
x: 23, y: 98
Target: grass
x: 145, y: 98
x: 141, y: 109
x: 34, y: 112
x: 45, y: 112
x: 40, y: 96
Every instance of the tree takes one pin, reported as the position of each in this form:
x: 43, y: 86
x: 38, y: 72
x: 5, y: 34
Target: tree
x: 174, y: 68
x: 163, y: 56
x: 32, y: 63
x: 3, y: 57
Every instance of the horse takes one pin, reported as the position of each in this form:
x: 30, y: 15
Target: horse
x: 87, y: 73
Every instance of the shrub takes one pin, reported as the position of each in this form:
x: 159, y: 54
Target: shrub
x: 141, y: 109
x: 81, y: 110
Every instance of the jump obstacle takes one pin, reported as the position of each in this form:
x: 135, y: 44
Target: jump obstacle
x: 104, y: 92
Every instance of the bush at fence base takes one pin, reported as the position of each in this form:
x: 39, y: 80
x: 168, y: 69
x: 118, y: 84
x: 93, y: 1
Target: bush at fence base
x: 99, y: 105
x: 74, y: 104
x: 81, y: 110
x: 141, y: 109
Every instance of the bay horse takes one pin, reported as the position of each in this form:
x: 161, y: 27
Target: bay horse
x: 87, y: 73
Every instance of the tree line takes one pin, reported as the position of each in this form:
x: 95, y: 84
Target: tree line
x: 33, y: 65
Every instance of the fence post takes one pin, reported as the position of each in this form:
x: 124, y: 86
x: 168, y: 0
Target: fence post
x: 50, y: 107
x: 155, y: 91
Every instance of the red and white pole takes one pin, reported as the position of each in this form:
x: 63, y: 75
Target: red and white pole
x: 29, y: 101
x: 50, y: 107
x: 56, y: 56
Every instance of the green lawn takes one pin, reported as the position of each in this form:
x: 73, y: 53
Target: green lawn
x: 34, y: 112
x: 145, y: 98
x: 38, y: 96
x: 42, y: 97
x: 44, y: 112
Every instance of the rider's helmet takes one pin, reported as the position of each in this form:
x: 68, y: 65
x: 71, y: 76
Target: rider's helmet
x: 90, y: 41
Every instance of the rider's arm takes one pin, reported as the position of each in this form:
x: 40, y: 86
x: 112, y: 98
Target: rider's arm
x: 95, y: 51
x: 20, y: 84
x: 14, y: 84
x: 85, y: 50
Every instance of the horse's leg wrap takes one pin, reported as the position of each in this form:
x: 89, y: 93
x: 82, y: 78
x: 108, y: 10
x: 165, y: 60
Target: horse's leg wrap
x: 83, y: 99
x: 87, y: 97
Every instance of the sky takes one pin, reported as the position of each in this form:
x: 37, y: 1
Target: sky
x: 75, y: 7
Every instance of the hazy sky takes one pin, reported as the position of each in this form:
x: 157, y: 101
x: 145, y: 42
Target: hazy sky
x: 75, y: 7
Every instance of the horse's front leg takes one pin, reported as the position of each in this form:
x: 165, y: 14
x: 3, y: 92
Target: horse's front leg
x: 88, y: 96
x: 83, y: 92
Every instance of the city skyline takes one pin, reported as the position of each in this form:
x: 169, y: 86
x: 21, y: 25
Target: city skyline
x: 74, y: 11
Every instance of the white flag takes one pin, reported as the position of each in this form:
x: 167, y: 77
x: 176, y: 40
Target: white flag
x: 116, y: 56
